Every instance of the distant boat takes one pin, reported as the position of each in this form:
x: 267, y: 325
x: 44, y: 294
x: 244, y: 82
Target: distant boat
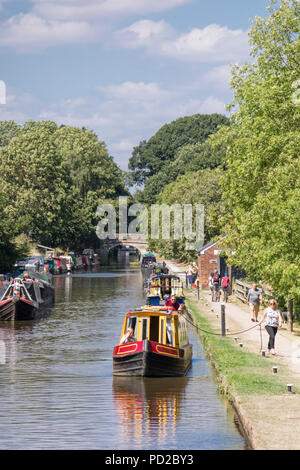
x: 68, y: 262
x: 162, y: 286
x: 160, y: 347
x: 27, y: 297
x: 146, y: 259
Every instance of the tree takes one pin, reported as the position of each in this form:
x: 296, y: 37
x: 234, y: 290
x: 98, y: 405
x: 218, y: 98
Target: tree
x: 8, y: 250
x: 54, y: 178
x: 8, y: 130
x: 149, y: 157
x: 91, y: 168
x: 198, y: 156
x: 202, y: 187
x: 262, y: 182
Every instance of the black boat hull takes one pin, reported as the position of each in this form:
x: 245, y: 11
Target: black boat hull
x: 147, y: 363
x: 18, y: 310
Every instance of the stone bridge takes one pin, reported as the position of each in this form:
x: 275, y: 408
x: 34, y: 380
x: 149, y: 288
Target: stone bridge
x: 135, y: 240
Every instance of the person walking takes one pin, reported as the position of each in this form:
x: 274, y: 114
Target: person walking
x: 254, y: 300
x: 190, y: 274
x: 225, y: 285
x: 273, y: 322
x: 195, y: 272
x: 216, y: 284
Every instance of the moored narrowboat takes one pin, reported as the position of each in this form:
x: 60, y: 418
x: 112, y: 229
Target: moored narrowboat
x: 67, y: 259
x: 27, y: 297
x: 159, y: 347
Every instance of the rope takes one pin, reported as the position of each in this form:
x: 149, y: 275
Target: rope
x: 219, y: 334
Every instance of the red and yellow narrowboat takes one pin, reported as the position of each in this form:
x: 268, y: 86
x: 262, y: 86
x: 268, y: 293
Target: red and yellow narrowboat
x: 159, y: 346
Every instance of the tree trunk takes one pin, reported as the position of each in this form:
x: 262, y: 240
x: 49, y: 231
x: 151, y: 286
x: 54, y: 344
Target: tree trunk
x: 290, y: 315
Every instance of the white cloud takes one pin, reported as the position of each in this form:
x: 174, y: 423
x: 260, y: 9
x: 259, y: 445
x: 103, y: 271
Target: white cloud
x: 214, y: 43
x: 144, y: 33
x: 26, y: 31
x: 219, y: 76
x: 90, y: 9
x: 134, y: 92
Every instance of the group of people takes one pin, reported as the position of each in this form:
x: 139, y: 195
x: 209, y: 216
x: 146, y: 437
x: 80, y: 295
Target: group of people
x: 271, y: 315
x: 216, y: 281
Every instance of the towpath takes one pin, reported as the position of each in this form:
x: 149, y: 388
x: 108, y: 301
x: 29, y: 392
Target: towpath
x: 272, y: 422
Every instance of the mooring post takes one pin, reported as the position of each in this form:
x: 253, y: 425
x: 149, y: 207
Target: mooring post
x: 223, y: 327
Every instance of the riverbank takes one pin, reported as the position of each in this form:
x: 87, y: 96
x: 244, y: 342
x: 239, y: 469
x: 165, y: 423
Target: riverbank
x: 269, y: 414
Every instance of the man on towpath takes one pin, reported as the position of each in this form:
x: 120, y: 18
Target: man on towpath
x: 254, y: 300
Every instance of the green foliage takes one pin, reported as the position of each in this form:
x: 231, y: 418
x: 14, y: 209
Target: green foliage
x: 149, y: 157
x: 8, y: 130
x: 53, y: 180
x: 262, y: 182
x: 9, y: 249
x: 194, y: 156
x: 156, y: 183
x: 90, y: 167
x: 202, y: 187
x: 198, y: 156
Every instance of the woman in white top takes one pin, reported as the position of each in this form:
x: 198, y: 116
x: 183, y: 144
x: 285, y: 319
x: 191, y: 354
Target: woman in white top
x: 273, y: 322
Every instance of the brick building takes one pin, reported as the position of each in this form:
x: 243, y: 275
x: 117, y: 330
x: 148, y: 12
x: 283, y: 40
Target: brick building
x: 208, y: 260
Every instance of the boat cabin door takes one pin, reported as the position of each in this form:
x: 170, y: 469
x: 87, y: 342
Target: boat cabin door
x: 150, y: 328
x: 154, y: 328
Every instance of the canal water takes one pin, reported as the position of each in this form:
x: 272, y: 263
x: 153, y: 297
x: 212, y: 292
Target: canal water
x: 57, y: 388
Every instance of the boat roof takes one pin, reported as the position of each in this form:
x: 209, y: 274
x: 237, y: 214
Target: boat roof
x: 165, y: 275
x: 42, y: 277
x: 147, y: 309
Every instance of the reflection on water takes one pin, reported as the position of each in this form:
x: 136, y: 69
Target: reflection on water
x: 146, y: 404
x: 56, y: 377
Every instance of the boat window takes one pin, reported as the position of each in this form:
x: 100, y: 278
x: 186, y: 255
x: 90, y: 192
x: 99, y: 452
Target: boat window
x: 169, y: 331
x: 144, y: 328
x: 131, y: 323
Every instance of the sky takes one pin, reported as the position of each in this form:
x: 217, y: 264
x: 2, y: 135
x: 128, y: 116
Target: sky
x: 122, y: 68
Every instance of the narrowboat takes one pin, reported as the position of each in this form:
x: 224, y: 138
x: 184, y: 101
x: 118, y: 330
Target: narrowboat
x: 162, y: 286
x: 27, y: 297
x: 57, y: 266
x: 69, y: 262
x: 159, y: 348
x: 35, y: 263
x: 146, y: 259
